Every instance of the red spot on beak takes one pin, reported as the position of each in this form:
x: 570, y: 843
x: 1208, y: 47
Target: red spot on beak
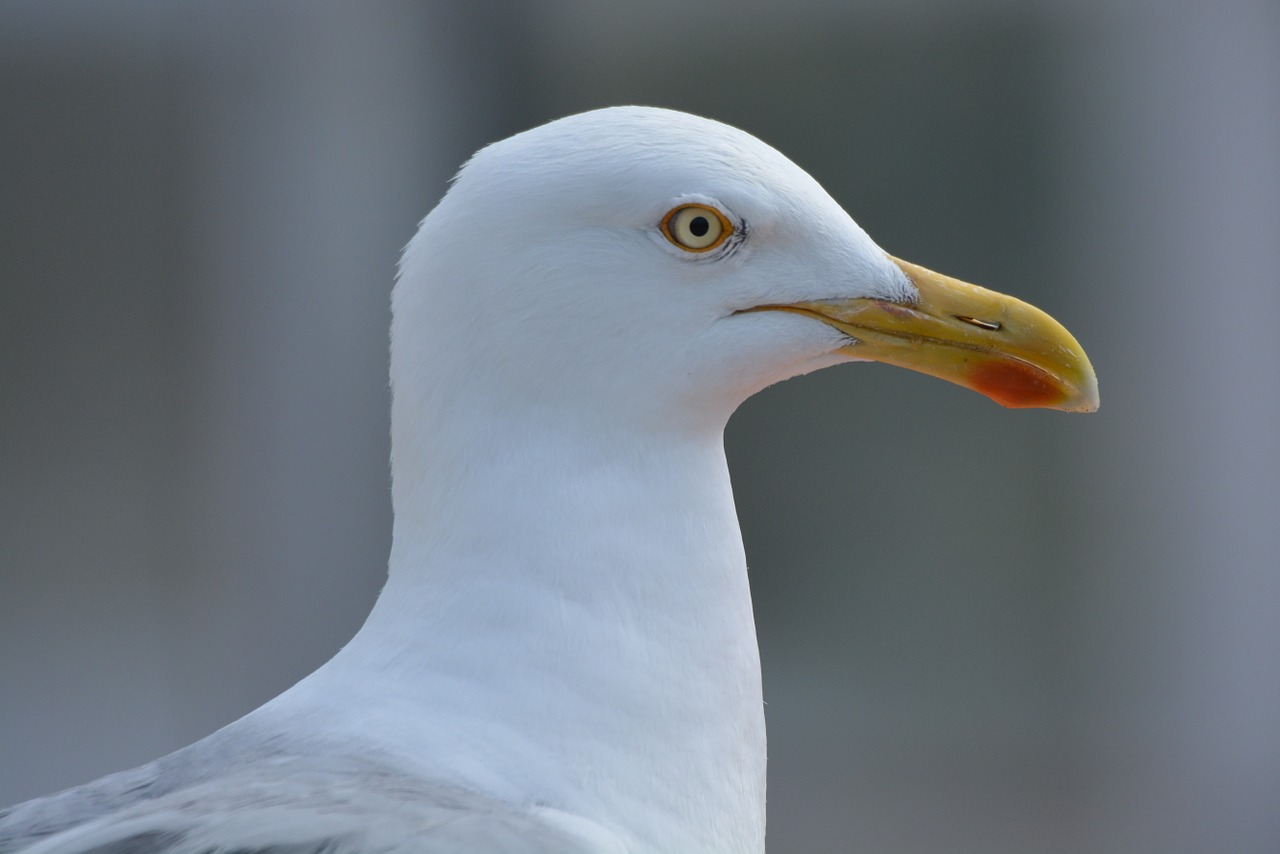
x: 1016, y: 384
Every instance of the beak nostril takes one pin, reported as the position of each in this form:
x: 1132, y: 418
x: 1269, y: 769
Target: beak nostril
x: 990, y: 325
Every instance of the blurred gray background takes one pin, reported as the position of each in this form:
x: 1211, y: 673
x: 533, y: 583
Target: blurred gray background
x: 982, y: 630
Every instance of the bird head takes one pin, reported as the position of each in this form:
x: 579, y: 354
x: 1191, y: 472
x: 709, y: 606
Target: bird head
x: 658, y: 265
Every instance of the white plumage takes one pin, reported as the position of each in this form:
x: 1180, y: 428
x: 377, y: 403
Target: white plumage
x: 564, y: 657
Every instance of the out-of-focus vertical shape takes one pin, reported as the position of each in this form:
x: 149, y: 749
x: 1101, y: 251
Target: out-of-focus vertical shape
x: 86, y: 439
x: 203, y: 206
x: 1173, y: 138
x: 320, y: 134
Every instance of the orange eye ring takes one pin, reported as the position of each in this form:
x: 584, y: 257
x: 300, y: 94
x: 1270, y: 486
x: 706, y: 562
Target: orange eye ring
x: 696, y: 228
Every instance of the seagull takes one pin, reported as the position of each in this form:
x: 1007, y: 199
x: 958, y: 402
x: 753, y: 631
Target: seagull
x: 564, y: 659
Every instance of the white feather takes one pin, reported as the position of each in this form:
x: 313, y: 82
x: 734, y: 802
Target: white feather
x: 564, y: 657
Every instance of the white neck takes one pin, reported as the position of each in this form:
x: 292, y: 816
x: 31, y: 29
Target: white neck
x: 612, y: 672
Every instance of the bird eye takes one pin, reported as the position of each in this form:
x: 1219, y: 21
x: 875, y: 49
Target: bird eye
x: 696, y: 228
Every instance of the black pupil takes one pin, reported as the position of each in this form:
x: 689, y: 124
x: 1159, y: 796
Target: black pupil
x: 698, y: 226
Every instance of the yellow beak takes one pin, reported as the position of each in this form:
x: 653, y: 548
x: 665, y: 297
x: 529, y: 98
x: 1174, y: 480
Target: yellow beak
x: 999, y: 346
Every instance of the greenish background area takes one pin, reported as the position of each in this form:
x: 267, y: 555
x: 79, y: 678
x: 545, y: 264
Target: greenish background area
x: 982, y: 630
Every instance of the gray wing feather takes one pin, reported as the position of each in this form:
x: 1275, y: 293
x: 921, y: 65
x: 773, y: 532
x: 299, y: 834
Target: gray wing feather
x: 157, y: 842
x: 289, y: 805
x: 139, y: 843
